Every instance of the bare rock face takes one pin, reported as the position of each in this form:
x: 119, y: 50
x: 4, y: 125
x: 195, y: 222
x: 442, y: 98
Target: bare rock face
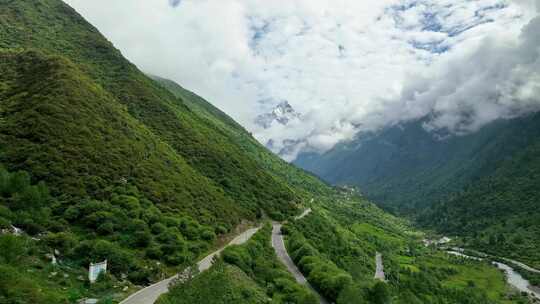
x: 283, y: 113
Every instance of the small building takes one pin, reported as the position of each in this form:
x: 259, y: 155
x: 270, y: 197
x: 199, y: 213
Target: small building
x: 95, y: 270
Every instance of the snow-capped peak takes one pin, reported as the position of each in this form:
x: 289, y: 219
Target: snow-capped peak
x: 283, y: 113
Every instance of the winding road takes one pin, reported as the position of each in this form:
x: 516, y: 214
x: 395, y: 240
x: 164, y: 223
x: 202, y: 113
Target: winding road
x: 281, y: 251
x: 150, y: 294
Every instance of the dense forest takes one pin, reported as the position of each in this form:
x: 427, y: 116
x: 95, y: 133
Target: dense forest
x: 405, y: 168
x: 499, y: 214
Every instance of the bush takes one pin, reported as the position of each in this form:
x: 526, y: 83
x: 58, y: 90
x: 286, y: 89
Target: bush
x: 4, y: 223
x: 12, y: 248
x: 153, y: 251
x: 105, y: 228
x: 208, y: 235
x: 380, y: 294
x: 158, y: 228
x: 63, y: 241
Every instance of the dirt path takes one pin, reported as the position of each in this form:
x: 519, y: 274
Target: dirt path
x: 306, y: 212
x: 151, y: 293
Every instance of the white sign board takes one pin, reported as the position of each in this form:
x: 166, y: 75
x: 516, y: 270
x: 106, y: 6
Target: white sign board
x: 95, y: 270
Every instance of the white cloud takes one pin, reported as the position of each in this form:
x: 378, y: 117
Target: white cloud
x: 345, y: 65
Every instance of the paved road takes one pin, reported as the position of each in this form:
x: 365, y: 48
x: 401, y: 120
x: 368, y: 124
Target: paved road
x: 279, y: 246
x: 151, y: 293
x: 379, y: 272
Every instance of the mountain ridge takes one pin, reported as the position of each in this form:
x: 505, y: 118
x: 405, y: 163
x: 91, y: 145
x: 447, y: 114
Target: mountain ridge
x: 406, y: 167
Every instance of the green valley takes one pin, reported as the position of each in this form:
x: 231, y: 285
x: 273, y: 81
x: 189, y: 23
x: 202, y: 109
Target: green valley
x: 102, y: 162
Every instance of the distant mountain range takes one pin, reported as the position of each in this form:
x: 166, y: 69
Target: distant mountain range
x: 405, y: 167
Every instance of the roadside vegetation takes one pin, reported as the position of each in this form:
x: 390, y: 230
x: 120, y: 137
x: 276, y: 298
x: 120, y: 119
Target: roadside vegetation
x: 336, y: 252
x: 253, y: 268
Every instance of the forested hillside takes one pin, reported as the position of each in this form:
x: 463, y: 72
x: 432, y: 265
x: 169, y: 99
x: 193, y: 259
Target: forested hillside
x: 152, y: 121
x: 404, y: 168
x: 302, y: 180
x: 483, y: 186
x: 499, y: 214
x: 99, y: 161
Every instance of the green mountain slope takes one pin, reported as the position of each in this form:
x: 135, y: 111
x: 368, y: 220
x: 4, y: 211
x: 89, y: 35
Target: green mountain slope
x: 500, y: 213
x: 102, y: 162
x: 335, y: 248
x: 54, y: 28
x: 65, y: 129
x: 301, y: 180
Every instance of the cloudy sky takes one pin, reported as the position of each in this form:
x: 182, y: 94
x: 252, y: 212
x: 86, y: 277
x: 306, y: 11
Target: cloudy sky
x: 346, y: 65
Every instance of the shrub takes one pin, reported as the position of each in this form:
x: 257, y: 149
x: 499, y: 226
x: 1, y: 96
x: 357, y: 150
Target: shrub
x: 63, y: 241
x: 158, y: 228
x: 12, y: 248
x: 208, y: 235
x: 380, y: 294
x: 4, y: 223
x: 153, y: 251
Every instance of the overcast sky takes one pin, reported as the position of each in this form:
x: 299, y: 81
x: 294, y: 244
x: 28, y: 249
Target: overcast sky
x: 346, y: 65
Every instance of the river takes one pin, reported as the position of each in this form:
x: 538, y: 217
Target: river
x: 512, y: 277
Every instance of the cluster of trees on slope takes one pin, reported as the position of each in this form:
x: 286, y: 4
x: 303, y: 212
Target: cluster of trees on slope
x: 125, y: 228
x: 331, y: 247
x: 254, y: 270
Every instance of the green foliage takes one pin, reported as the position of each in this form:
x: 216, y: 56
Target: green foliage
x: 328, y: 244
x: 302, y: 181
x: 104, y: 121
x: 248, y: 273
x: 258, y: 260
x: 380, y: 294
x: 323, y: 274
x: 499, y: 214
x: 222, y: 284
x: 15, y: 288
x: 12, y: 248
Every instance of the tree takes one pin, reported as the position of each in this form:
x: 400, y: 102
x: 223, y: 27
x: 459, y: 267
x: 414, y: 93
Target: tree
x: 380, y: 294
x: 18, y: 181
